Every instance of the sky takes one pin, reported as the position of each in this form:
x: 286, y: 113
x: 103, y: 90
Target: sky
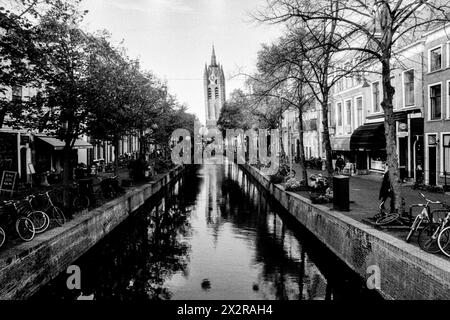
x: 174, y: 38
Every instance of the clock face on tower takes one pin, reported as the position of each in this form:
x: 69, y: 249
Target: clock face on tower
x: 212, y: 78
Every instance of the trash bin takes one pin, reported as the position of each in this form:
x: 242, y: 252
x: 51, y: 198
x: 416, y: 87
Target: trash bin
x: 341, y: 193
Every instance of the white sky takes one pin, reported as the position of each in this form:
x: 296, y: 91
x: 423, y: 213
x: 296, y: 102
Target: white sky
x: 173, y: 38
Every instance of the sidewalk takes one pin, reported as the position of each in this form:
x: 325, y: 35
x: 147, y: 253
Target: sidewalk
x: 364, y: 202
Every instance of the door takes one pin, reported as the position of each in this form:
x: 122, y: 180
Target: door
x: 403, y: 157
x: 432, y: 165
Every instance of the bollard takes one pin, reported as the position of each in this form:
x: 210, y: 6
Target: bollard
x: 341, y: 193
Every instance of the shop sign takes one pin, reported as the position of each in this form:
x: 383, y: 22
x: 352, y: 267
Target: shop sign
x: 8, y: 182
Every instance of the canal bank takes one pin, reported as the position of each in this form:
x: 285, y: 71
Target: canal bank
x: 27, y: 267
x: 406, y: 272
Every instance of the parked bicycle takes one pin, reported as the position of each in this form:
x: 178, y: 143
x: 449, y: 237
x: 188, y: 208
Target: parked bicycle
x: 285, y: 170
x: 13, y: 219
x: 81, y: 199
x: 108, y: 188
x: 429, y: 236
x: 444, y: 237
x: 56, y: 214
x: 425, y: 215
x: 40, y: 219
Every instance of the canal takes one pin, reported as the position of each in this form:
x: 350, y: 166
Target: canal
x: 214, y: 234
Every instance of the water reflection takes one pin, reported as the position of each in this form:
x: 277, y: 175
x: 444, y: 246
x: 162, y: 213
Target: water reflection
x: 212, y: 235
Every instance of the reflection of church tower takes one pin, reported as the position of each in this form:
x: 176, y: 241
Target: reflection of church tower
x: 214, y: 86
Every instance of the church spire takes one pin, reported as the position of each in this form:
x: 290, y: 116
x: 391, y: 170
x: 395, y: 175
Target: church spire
x: 213, y: 57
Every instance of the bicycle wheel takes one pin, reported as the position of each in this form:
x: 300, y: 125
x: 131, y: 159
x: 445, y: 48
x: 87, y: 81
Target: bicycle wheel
x: 414, y: 227
x: 428, y: 238
x: 81, y: 202
x: 40, y: 220
x: 58, y: 216
x: 387, y: 219
x: 2, y: 236
x: 444, y: 241
x: 25, y: 229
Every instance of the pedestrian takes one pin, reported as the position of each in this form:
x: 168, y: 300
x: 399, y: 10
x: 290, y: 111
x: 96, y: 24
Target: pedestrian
x: 340, y: 164
x: 386, y: 190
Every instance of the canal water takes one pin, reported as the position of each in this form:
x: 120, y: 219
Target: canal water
x: 214, y: 234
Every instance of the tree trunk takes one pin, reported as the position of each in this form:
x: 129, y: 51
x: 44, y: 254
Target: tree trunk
x: 282, y: 153
x: 302, y: 146
x: 116, y: 156
x: 390, y: 132
x: 2, y: 117
x: 326, y: 140
x: 66, y: 173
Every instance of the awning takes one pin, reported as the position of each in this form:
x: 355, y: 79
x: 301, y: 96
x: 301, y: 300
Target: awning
x: 340, y: 144
x: 369, y: 136
x: 58, y: 144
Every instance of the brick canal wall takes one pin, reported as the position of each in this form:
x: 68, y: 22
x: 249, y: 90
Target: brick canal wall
x: 406, y: 272
x: 27, y: 267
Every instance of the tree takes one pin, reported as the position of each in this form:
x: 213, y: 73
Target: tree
x: 111, y: 86
x: 19, y: 56
x: 368, y: 29
x: 236, y: 113
x: 284, y: 81
x: 65, y: 52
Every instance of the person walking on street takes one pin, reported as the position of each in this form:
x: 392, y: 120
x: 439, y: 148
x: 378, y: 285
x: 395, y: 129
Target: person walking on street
x: 340, y: 164
x: 386, y: 190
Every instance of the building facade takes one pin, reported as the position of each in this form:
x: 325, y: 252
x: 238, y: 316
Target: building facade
x: 214, y: 90
x: 437, y: 107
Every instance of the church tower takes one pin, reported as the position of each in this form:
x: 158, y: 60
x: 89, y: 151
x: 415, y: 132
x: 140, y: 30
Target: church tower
x: 214, y: 86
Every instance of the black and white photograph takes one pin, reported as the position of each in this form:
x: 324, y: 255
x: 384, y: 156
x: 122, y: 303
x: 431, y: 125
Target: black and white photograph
x: 212, y: 158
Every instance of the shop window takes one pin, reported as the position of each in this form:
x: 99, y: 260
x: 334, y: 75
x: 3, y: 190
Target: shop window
x: 409, y: 88
x: 376, y: 96
x: 435, y: 102
x: 377, y: 159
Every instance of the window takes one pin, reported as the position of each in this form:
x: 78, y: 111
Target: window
x: 435, y: 59
x: 209, y: 93
x: 435, y: 102
x: 339, y: 114
x: 331, y: 116
x: 376, y: 96
x: 359, y: 114
x: 16, y: 93
x: 348, y: 111
x: 408, y: 84
x: 216, y: 92
x: 446, y: 153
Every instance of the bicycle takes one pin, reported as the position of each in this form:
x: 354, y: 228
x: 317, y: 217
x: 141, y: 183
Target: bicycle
x: 23, y: 226
x: 443, y: 239
x: 55, y: 213
x: 382, y: 218
x: 285, y: 170
x: 425, y: 215
x: 429, y: 236
x: 40, y: 219
x: 81, y: 200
